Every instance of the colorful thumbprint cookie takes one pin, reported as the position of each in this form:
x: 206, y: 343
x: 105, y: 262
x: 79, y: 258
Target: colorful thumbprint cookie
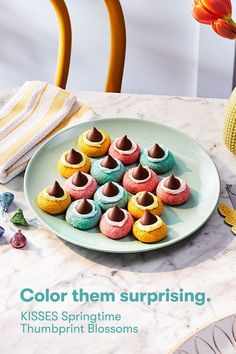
x: 80, y: 185
x: 139, y: 179
x: 107, y: 169
x: 173, y: 190
x: 83, y: 214
x: 150, y: 228
x: 116, y: 223
x: 144, y: 201
x: 54, y: 200
x: 73, y: 161
x: 94, y: 142
x: 111, y: 194
x: 125, y: 150
x: 158, y: 158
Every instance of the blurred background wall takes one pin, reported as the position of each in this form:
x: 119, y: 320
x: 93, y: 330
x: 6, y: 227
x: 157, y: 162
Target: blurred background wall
x: 167, y: 51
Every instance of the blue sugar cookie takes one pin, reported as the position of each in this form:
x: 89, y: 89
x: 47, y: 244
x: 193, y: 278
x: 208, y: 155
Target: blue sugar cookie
x: 107, y: 170
x: 83, y: 214
x: 111, y: 194
x: 158, y: 158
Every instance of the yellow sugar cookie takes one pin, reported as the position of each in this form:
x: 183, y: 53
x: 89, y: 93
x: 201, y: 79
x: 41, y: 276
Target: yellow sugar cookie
x: 73, y: 161
x: 94, y: 148
x: 137, y: 210
x: 151, y: 236
x: 53, y: 207
x: 150, y: 228
x: 54, y: 200
x: 68, y: 171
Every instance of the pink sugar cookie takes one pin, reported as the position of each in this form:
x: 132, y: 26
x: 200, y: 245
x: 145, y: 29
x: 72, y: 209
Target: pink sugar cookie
x: 126, y: 156
x: 173, y: 199
x: 132, y: 187
x: 84, y: 187
x: 112, y: 230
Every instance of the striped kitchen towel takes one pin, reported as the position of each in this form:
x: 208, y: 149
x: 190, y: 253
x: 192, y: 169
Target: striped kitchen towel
x: 35, y: 113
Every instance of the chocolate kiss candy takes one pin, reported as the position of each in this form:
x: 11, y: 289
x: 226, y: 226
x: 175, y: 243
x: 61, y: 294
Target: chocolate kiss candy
x: 148, y: 218
x: 116, y: 214
x: 79, y: 179
x: 84, y: 207
x: 110, y: 190
x: 109, y: 162
x: 145, y: 199
x: 6, y: 199
x: 18, y: 218
x: 74, y: 157
x: 2, y: 230
x: 124, y: 143
x: 172, y: 182
x: 94, y: 135
x: 140, y: 173
x: 156, y: 152
x: 18, y: 240
x: 55, y: 190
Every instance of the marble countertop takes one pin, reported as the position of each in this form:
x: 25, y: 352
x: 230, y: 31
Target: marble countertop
x: 205, y: 261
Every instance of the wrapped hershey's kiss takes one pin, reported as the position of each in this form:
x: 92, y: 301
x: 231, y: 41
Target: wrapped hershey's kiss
x: 18, y: 240
x: 18, y: 218
x: 2, y: 230
x: 6, y: 200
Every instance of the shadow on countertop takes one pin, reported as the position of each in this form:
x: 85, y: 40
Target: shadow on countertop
x: 208, y: 243
x: 212, y: 241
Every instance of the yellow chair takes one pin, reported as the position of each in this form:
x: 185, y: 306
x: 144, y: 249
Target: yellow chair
x: 64, y: 43
x: 117, y: 44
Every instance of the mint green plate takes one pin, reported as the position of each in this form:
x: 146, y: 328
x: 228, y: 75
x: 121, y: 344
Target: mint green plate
x: 192, y: 163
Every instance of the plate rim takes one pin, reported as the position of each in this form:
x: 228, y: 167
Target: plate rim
x: 148, y: 247
x: 199, y: 329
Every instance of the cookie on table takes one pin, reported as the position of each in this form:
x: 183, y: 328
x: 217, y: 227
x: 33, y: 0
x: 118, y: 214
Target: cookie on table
x: 54, y: 199
x: 111, y: 194
x: 139, y: 179
x: 116, y: 223
x: 150, y: 228
x: 73, y: 161
x: 173, y: 190
x: 83, y: 214
x: 144, y: 201
x: 158, y: 158
x: 80, y: 185
x: 94, y: 142
x: 107, y: 169
x: 125, y: 150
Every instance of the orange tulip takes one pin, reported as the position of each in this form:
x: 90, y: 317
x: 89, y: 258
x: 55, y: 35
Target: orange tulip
x: 225, y: 28
x: 207, y: 11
